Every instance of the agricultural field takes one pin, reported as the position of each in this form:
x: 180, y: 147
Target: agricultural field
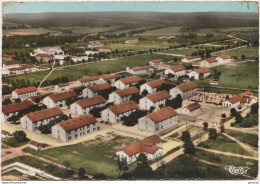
x: 223, y: 143
x: 30, y: 31
x: 249, y: 52
x: 95, y: 156
x: 183, y: 51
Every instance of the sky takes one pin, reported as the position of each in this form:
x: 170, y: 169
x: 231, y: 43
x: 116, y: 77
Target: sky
x: 177, y: 6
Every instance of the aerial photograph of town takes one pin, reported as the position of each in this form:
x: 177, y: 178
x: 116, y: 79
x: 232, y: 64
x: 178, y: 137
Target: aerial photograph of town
x: 129, y: 90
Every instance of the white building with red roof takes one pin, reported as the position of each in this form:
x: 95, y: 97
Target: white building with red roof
x: 127, y: 82
x: 75, y: 128
x: 83, y: 106
x: 13, y: 109
x: 156, y: 62
x: 7, y: 58
x: 155, y: 100
x: 150, y: 147
x: 22, y: 70
x: 47, y: 50
x: 5, y: 134
x: 95, y: 90
x: 34, y: 120
x: 152, y: 86
x: 191, y: 108
x: 158, y: 120
x: 107, y: 78
x: 209, y: 62
x: 223, y: 59
x: 35, y: 145
x: 59, y: 99
x: 62, y: 86
x: 177, y: 71
x: 123, y: 95
x: 88, y: 81
x: 95, y: 45
x: 140, y: 70
x: 191, y: 59
x: 199, y: 73
x: 105, y: 49
x: 8, y: 65
x: 44, y: 57
x: 76, y: 59
x: 113, y: 114
x: 185, y: 90
x: 24, y: 92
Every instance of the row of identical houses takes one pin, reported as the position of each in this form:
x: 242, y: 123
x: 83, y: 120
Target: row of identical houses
x: 208, y: 62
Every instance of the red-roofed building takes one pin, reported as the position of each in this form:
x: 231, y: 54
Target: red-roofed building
x: 199, y: 73
x: 245, y: 98
x: 95, y: 45
x: 223, y: 59
x: 8, y: 65
x: 59, y: 99
x: 123, y: 95
x: 34, y: 120
x: 191, y: 59
x: 24, y: 92
x: 95, y: 90
x: 127, y: 82
x: 152, y: 86
x: 7, y: 58
x: 177, y: 71
x: 82, y: 107
x: 75, y: 128
x: 62, y: 86
x: 209, y: 62
x: 158, y: 120
x: 192, y: 108
x: 185, y: 90
x: 44, y: 57
x: 22, y: 70
x: 35, y: 145
x: 105, y: 49
x: 150, y: 147
x: 140, y: 70
x: 5, y: 134
x: 113, y: 114
x: 88, y: 81
x: 13, y: 109
x: 155, y: 100
x: 107, y: 78
x: 156, y: 62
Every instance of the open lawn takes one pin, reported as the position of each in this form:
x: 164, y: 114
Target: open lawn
x: 223, y: 143
x: 185, y: 167
x: 38, y: 164
x: 249, y: 52
x: 229, y: 160
x: 250, y: 139
x: 77, y: 71
x: 181, y: 51
x: 94, y: 156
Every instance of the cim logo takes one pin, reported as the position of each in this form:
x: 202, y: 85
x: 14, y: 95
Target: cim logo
x: 237, y: 170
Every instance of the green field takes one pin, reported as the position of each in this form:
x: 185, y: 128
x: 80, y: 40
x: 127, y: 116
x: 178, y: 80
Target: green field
x: 93, y: 156
x: 229, y: 160
x: 249, y: 52
x: 91, y: 69
x: 223, y: 143
x: 249, y: 139
x: 181, y: 51
x: 13, y: 142
x: 13, y: 173
x: 185, y: 167
x: 243, y: 75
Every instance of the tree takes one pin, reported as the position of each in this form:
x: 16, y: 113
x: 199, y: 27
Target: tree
x: 45, y: 129
x: 238, y: 118
x: 132, y: 119
x: 189, y: 148
x: 135, y: 97
x: 243, y: 57
x: 185, y: 137
x: 122, y: 165
x: 7, y: 101
x: 151, y: 109
x: 205, y: 125
x: 144, y: 92
x: 81, y: 173
x: 233, y: 111
x: 20, y: 136
x: 99, y: 176
x: 254, y: 108
x: 223, y: 115
x: 213, y: 133
x: 222, y: 128
x: 143, y: 170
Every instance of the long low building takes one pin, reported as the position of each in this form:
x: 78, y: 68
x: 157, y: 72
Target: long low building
x: 75, y: 128
x: 150, y: 147
x: 191, y: 59
x: 82, y: 107
x: 192, y: 108
x: 34, y: 120
x: 24, y: 92
x: 158, y: 120
x: 152, y: 86
x: 185, y: 90
x: 140, y: 70
x: 176, y: 71
x: 199, y: 73
x: 95, y: 90
x: 123, y: 95
x: 113, y: 114
x: 127, y: 82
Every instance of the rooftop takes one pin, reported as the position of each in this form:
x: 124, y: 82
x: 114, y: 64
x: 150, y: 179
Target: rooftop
x: 127, y: 91
x: 99, y: 87
x: 193, y: 106
x: 88, y: 102
x: 63, y: 96
x: 157, y: 61
x: 130, y: 80
x: 211, y: 60
x: 124, y: 107
x: 202, y: 70
x: 141, y: 68
x: 178, y: 68
x: 162, y: 114
x: 15, y: 107
x: 193, y: 57
x: 187, y: 86
x: 156, y: 83
x: 26, y: 90
x: 159, y: 96
x: 44, y: 114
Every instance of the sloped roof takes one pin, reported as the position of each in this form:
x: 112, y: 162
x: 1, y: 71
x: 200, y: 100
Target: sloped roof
x: 34, y: 143
x: 127, y: 91
x: 33, y: 98
x: 234, y: 99
x: 99, y: 87
x: 22, y: 68
x: 178, y: 68
x: 44, y: 114
x: 124, y: 107
x: 107, y: 77
x: 11, y: 63
x: 7, y: 56
x: 15, y: 107
x: 246, y: 93
x: 193, y: 57
x: 89, y: 79
x: 193, y: 106
x: 25, y: 90
x: 78, y: 122
x: 158, y: 96
x: 156, y: 83
x: 4, y: 132
x: 141, y: 68
x: 44, y: 55
x: 63, y: 96
x: 187, y: 86
x: 225, y: 57
x: 130, y: 80
x: 202, y: 70
x: 63, y: 84
x: 88, y: 102
x: 162, y: 114
x: 157, y: 60
x: 105, y: 47
x: 211, y: 60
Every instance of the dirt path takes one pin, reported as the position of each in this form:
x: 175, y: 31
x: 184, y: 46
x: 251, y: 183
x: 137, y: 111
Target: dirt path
x: 11, y: 152
x: 228, y: 153
x: 244, y: 146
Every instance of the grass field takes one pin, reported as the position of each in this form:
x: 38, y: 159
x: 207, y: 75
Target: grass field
x: 185, y: 167
x: 38, y: 164
x: 229, y: 160
x: 249, y: 52
x: 78, y: 71
x: 243, y: 75
x: 222, y: 143
x: 249, y: 139
x: 181, y: 51
x: 94, y: 157
x: 13, y: 142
